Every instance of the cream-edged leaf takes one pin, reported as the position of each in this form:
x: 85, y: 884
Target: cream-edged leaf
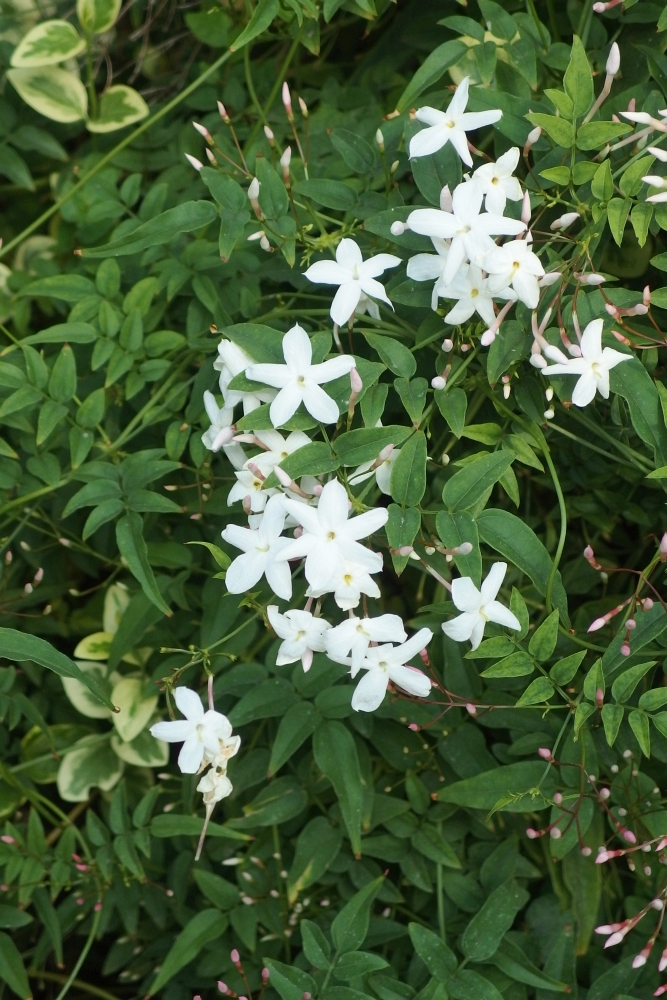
x: 97, y: 16
x: 51, y: 91
x: 46, y: 44
x: 94, y: 765
x: 79, y: 694
x: 119, y: 106
x: 94, y: 647
x: 116, y: 600
x: 143, y: 751
x: 135, y: 708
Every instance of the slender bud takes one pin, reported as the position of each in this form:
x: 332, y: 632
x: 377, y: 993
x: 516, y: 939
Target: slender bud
x: 525, y: 208
x: 285, y: 161
x: 203, y: 131
x: 590, y: 279
x: 464, y: 549
x: 357, y: 385
x: 533, y: 136
x: 613, y: 60
x: 447, y: 345
x: 304, y: 107
x: 445, y: 199
x: 265, y: 974
x: 545, y: 753
x: 253, y: 194
x: 663, y: 547
x: 550, y: 278
x: 629, y: 836
x: 223, y: 113
x: 394, y: 167
x: 531, y: 834
x: 660, y: 154
x: 264, y: 243
x: 398, y: 228
x: 39, y: 576
x: 210, y: 157
x: 269, y: 135
x: 194, y: 162
x: 599, y: 700
x: 379, y: 138
x: 287, y: 101
x: 597, y: 624
x: 564, y: 221
x: 438, y: 382
x: 235, y: 957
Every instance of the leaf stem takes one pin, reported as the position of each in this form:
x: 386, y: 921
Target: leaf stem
x: 82, y: 957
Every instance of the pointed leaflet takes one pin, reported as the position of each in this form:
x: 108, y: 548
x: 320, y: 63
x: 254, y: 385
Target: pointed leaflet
x: 408, y: 475
x: 263, y: 15
x: 350, y: 926
x: 487, y: 928
x: 12, y: 969
x: 208, y: 925
x: 578, y: 79
x: 132, y: 547
x: 336, y: 756
x: 184, y: 218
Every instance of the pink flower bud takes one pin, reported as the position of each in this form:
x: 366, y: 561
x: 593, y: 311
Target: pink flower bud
x: 532, y: 138
x: 586, y: 852
x: 531, y: 834
x: 355, y: 381
x: 405, y: 550
x: 604, y: 793
x: 597, y: 624
x: 414, y: 727
x: 545, y: 753
x: 223, y: 113
x: 269, y: 135
x: 599, y: 697
x: 471, y: 709
x: 446, y: 199
x: 287, y: 101
x: 631, y: 623
x: 629, y: 836
x: 304, y: 107
x: 6, y: 839
x: 550, y: 278
x: 203, y: 131
x: 525, y: 208
x: 194, y: 162
x: 385, y: 454
x: 39, y: 576
x: 625, y: 649
x: 663, y: 547
x: 558, y: 798
x: 438, y: 382
x: 614, y: 939
x: 555, y: 833
x: 265, y: 974
x: 464, y: 549
x: 647, y: 603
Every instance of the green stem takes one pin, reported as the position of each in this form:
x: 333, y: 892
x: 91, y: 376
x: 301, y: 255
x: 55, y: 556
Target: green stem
x: 530, y: 4
x: 563, y: 525
x: 45, y: 216
x: 274, y: 92
x: 78, y: 984
x: 92, y: 95
x: 441, y: 898
x: 82, y: 957
x: 251, y: 87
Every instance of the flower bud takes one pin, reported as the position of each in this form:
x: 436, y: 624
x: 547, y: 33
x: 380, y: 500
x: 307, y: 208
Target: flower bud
x: 379, y: 138
x: 194, y: 162
x: 550, y: 278
x: 537, y: 361
x: 647, y: 603
x: 555, y: 833
x: 663, y: 547
x: 549, y: 414
x: 210, y: 157
x: 586, y: 852
x: 303, y: 107
x: 564, y: 221
x: 654, y: 180
x: 631, y: 623
x: 597, y: 624
x: 629, y: 836
x: 531, y: 834
x: 265, y: 974
x: 660, y: 154
x: 394, y: 167
x: 525, y: 208
x: 545, y: 753
x: 287, y: 101
x: 269, y: 135
x: 253, y: 189
x: 471, y: 709
x: 590, y: 279
x: 286, y: 158
x: 438, y: 382
x: 203, y: 131
x: 558, y: 798
x: 398, y: 228
x: 464, y: 549
x: 447, y: 345
x: 613, y: 60
x: 445, y: 199
x: 355, y: 381
x: 599, y: 699
x: 264, y: 243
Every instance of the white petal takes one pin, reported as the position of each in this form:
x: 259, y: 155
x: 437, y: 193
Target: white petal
x: 477, y: 633
x: 367, y: 523
x: 430, y: 116
x: 509, y: 160
x: 370, y: 691
x: 332, y: 369
x: 424, y: 267
x: 345, y: 301
x: 240, y: 538
x: 319, y: 404
x: 429, y: 140
x: 413, y: 681
x: 384, y: 628
x: 285, y: 404
x: 348, y: 254
x: 459, y: 141
x: 432, y: 222
x: 496, y: 199
x: 326, y: 272
x: 591, y: 341
x: 467, y: 202
x: 461, y: 312
x: 461, y: 628
x: 245, y: 572
x: 273, y: 521
x: 279, y: 578
x: 332, y: 509
x: 458, y: 103
x: 191, y: 755
x: 401, y: 654
x: 189, y: 704
x: 456, y: 257
x: 610, y: 358
x: 172, y: 732
x: 501, y: 615
x: 298, y: 350
x: 275, y: 375
x: 584, y: 390
x: 478, y: 119
x: 493, y: 582
x: 527, y: 288
x: 377, y: 265
x: 465, y: 594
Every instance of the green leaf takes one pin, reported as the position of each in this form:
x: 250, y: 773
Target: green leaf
x: 311, y: 460
x: 46, y: 44
x: 73, y: 333
x: 51, y: 91
x: 485, y: 790
x: 624, y: 685
x: 517, y: 664
x: 12, y: 969
x: 583, y: 878
x: 539, y: 691
x: 561, y: 131
x: 315, y: 946
x: 543, y: 640
x: 223, y: 894
x: 452, y: 406
x: 440, y: 960
x: 279, y: 801
x: 413, y: 397
x: 135, y: 705
x: 97, y: 16
x: 364, y: 444
x: 20, y: 400
x: 487, y: 928
x: 511, y: 960
x: 205, y: 926
x: 263, y: 15
x: 173, y: 825
x: 354, y: 964
x: 517, y: 542
x: 560, y: 175
x: 11, y: 918
x: 431, y: 70
x: 454, y: 529
x: 433, y: 846
x: 469, y: 485
x: 401, y: 529
x: 331, y: 194
x: 640, y: 217
x: 602, y: 185
x: 358, y: 154
x: 91, y: 764
x: 298, y: 723
x: 132, y: 547
x: 350, y: 926
x: 592, y: 135
x: 639, y: 724
x: 336, y: 756
x: 654, y: 699
x: 62, y: 384
x: 618, y: 210
x: 290, y: 982
x: 317, y: 847
x: 393, y: 354
x: 511, y: 346
x: 22, y: 646
x: 578, y: 79
x: 408, y: 474
x: 469, y: 985
x: 50, y: 415
x: 268, y: 700
x: 273, y: 198
x: 184, y: 218
x: 119, y: 106
x: 564, y: 670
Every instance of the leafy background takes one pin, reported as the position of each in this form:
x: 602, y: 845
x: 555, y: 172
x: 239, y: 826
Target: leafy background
x: 356, y: 857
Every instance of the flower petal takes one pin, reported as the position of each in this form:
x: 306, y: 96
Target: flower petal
x: 493, y: 582
x: 326, y: 272
x: 585, y: 389
x: 365, y: 524
x: 498, y: 613
x: 172, y: 732
x: 189, y: 704
x: 429, y: 141
x: 461, y: 628
x: 478, y: 119
x: 465, y: 594
x: 279, y: 578
x: 245, y: 571
x: 459, y: 141
x: 333, y: 368
x: 333, y: 506
x: 345, y: 301
x: 285, y: 404
x: 430, y: 116
x: 378, y: 264
x: 298, y: 350
x: 348, y: 254
x: 403, y: 653
x: 191, y: 755
x: 458, y: 103
x: 591, y: 341
x: 424, y: 267
x: 432, y: 222
x: 415, y: 682
x: 319, y: 404
x: 275, y: 375
x: 370, y: 691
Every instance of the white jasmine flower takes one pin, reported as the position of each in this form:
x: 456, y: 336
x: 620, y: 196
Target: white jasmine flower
x: 250, y: 485
x: 354, y: 276
x: 472, y: 292
x: 303, y: 635
x: 353, y: 637
x: 262, y: 548
x: 497, y: 182
x: 469, y: 231
x: 329, y: 538
x: 388, y: 663
x: 214, y: 786
x: 450, y: 125
x: 430, y: 267
x: 592, y: 367
x: 232, y: 360
x: 350, y: 581
x: 200, y: 731
x: 278, y: 448
x: 299, y: 380
x: 478, y: 607
x: 379, y: 467
x: 515, y: 264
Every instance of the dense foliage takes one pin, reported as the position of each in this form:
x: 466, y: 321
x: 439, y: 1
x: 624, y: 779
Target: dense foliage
x: 406, y: 266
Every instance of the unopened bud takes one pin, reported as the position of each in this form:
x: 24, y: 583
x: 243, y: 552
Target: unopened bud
x: 355, y: 381
x: 663, y: 547
x: 379, y: 138
x: 464, y: 549
x: 253, y: 189
x: 210, y: 157
x: 564, y: 221
x: 613, y: 60
x: 471, y: 709
x: 545, y: 753
x: 438, y: 382
x: 631, y: 623
x: 269, y: 135
x: 446, y: 199
x: 223, y: 987
x: 599, y: 697
x: 235, y: 957
x: 287, y: 101
x: 531, y: 834
x: 223, y: 113
x: 558, y: 798
x: 39, y: 576
x: 590, y: 279
x: 647, y: 603
x: 550, y: 278
x: 303, y: 107
x: 66, y: 542
x: 629, y: 836
x: 447, y: 345
x: 525, y: 208
x: 264, y: 243
x: 625, y: 649
x: 586, y: 852
x: 398, y: 228
x: 194, y: 162
x: 265, y: 974
x: 285, y: 161
x: 604, y: 793
x: 394, y: 167
x: 533, y: 136
x: 555, y: 833
x: 8, y: 557
x: 537, y: 361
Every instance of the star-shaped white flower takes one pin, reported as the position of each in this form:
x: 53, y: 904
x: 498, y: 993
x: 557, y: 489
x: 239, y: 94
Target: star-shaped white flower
x: 214, y: 786
x: 353, y: 637
x: 251, y: 486
x: 469, y: 231
x: 472, y: 291
x: 388, y: 663
x: 479, y: 607
x: 329, y: 538
x: 302, y: 632
x: 232, y: 360
x: 592, y: 367
x: 299, y: 381
x: 497, y: 181
x: 262, y: 548
x: 515, y: 264
x: 350, y: 581
x: 278, y: 448
x: 430, y: 267
x: 450, y: 125
x: 201, y: 732
x: 354, y: 276
x: 381, y: 471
